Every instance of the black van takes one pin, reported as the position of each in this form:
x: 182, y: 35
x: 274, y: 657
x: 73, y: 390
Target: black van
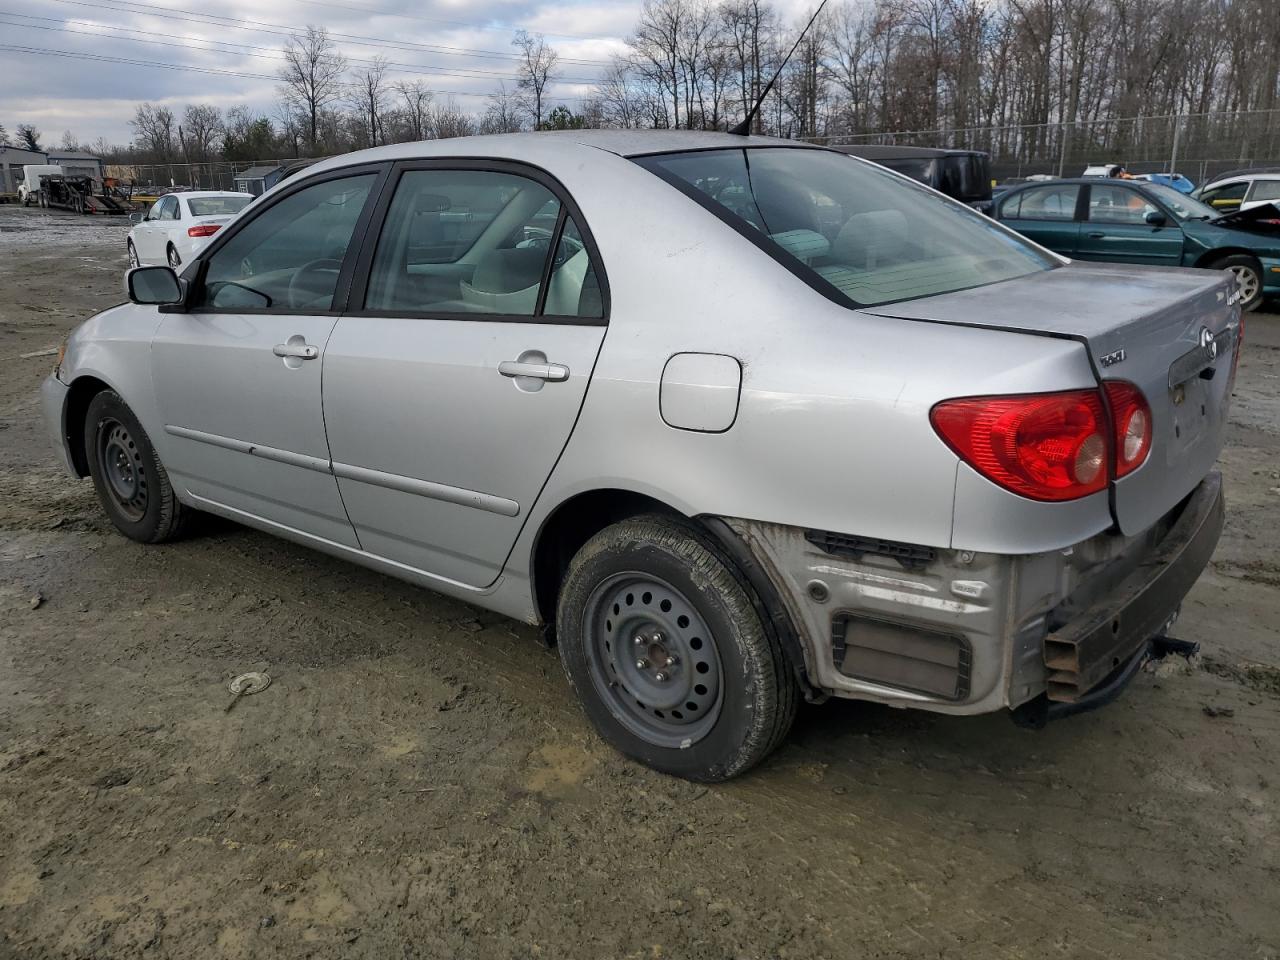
x: 962, y: 174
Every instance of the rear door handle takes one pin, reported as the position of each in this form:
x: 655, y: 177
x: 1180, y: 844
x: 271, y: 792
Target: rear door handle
x: 553, y: 372
x: 303, y: 351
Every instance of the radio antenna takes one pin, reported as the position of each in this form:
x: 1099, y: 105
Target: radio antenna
x: 744, y: 128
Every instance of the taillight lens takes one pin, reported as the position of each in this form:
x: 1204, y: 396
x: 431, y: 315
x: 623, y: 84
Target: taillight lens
x: 204, y: 230
x: 1048, y: 446
x: 1131, y: 415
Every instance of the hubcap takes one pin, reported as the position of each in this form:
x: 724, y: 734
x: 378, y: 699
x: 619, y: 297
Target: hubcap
x: 653, y: 659
x: 173, y: 257
x: 1248, y: 281
x: 133, y: 256
x: 120, y: 462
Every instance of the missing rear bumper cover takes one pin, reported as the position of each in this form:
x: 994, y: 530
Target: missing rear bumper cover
x: 901, y: 656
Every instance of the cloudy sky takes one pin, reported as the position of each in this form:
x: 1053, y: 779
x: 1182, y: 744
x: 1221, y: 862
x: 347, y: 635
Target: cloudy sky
x: 83, y: 65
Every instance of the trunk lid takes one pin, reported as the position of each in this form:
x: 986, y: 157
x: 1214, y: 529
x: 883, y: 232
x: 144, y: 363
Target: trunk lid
x: 1171, y: 331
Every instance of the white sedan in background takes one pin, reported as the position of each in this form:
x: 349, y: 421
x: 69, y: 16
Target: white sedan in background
x: 179, y: 225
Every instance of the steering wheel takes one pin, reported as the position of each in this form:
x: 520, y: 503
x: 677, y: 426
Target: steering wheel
x: 297, y: 285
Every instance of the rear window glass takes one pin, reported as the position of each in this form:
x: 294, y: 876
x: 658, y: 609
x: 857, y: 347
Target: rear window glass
x: 217, y: 206
x: 852, y: 230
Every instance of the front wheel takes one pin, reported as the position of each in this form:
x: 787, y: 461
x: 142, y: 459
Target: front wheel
x: 665, y: 649
x: 1248, y: 274
x: 132, y: 484
x: 133, y: 254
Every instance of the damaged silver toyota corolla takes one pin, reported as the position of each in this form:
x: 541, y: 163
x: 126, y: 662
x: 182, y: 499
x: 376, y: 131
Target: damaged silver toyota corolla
x: 738, y: 420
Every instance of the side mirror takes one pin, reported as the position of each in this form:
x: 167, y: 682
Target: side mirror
x: 153, y: 285
x: 136, y: 217
x: 1155, y: 218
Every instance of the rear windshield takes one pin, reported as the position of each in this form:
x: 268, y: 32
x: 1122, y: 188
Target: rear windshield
x: 217, y: 206
x: 853, y: 231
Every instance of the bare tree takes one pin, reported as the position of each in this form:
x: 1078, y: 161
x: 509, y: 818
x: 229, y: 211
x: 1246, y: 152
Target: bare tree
x: 28, y: 137
x: 537, y: 68
x: 416, y: 99
x: 311, y: 78
x: 4, y: 136
x: 502, y: 115
x: 69, y: 141
x: 369, y: 97
x: 153, y: 131
x: 201, y: 131
x: 448, y: 121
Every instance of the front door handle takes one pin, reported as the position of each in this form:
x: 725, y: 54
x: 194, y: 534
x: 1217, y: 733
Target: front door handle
x: 302, y: 351
x: 1096, y: 236
x: 552, y: 372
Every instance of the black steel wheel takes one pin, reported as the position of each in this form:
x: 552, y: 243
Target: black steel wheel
x: 132, y: 484
x: 665, y: 646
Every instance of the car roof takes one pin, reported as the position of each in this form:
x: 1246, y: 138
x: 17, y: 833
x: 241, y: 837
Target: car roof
x: 197, y: 194
x: 562, y: 144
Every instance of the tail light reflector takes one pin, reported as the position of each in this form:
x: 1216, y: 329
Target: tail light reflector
x: 204, y: 230
x: 1131, y: 415
x: 1049, y: 446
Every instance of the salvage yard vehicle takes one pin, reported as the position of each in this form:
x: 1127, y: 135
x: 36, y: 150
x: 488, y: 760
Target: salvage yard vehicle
x: 1132, y: 221
x: 964, y: 175
x: 179, y: 225
x: 751, y: 421
x: 1242, y: 190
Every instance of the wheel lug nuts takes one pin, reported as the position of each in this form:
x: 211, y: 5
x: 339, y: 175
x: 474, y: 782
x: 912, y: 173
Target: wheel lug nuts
x: 672, y: 660
x: 642, y: 664
x: 639, y: 640
x: 657, y: 636
x: 660, y: 677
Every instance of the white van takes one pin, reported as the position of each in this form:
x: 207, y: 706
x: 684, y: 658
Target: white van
x: 29, y: 185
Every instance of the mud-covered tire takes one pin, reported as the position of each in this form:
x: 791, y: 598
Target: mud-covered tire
x: 122, y: 460
x: 1248, y: 271
x: 756, y: 697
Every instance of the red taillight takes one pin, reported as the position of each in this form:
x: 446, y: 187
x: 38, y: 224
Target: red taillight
x: 1047, y: 446
x: 1131, y: 416
x: 204, y: 230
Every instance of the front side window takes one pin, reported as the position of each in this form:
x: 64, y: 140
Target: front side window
x: 857, y: 233
x: 1118, y: 205
x: 287, y: 259
x: 1225, y: 198
x: 478, y: 241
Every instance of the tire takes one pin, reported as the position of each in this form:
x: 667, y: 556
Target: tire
x: 133, y: 254
x: 132, y: 484
x: 652, y: 587
x: 171, y: 255
x: 1248, y: 272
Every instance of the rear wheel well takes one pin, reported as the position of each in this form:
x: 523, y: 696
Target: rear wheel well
x: 74, y: 411
x: 571, y: 525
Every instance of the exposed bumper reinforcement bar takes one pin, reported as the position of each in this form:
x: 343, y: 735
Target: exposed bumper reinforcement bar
x: 1034, y: 714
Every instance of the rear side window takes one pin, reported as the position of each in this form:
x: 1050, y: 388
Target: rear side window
x: 1265, y: 190
x: 1043, y: 203
x: 287, y: 259
x: 852, y: 230
x: 480, y: 241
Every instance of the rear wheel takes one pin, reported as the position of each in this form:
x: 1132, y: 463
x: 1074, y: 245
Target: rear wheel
x: 172, y: 254
x: 1248, y: 274
x: 132, y: 484
x: 663, y: 646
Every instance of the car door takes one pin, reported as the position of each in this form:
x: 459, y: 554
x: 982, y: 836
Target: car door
x: 454, y: 381
x: 150, y: 245
x: 237, y: 372
x: 1045, y: 214
x: 1116, y: 228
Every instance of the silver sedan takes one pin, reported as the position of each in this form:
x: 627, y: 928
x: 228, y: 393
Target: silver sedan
x: 739, y: 421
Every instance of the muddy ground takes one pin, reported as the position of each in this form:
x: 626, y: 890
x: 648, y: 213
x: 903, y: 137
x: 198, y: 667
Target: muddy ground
x: 417, y: 782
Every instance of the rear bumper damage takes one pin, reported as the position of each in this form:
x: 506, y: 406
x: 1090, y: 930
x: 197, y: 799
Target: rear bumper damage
x: 957, y: 632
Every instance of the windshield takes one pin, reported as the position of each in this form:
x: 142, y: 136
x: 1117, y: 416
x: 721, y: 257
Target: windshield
x: 1183, y: 206
x: 851, y: 230
x: 217, y: 206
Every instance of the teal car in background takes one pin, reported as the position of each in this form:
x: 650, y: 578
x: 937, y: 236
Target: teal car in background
x: 1128, y: 221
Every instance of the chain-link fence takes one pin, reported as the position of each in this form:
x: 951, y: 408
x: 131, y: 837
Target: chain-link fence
x: 154, y: 179
x: 1198, y: 145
